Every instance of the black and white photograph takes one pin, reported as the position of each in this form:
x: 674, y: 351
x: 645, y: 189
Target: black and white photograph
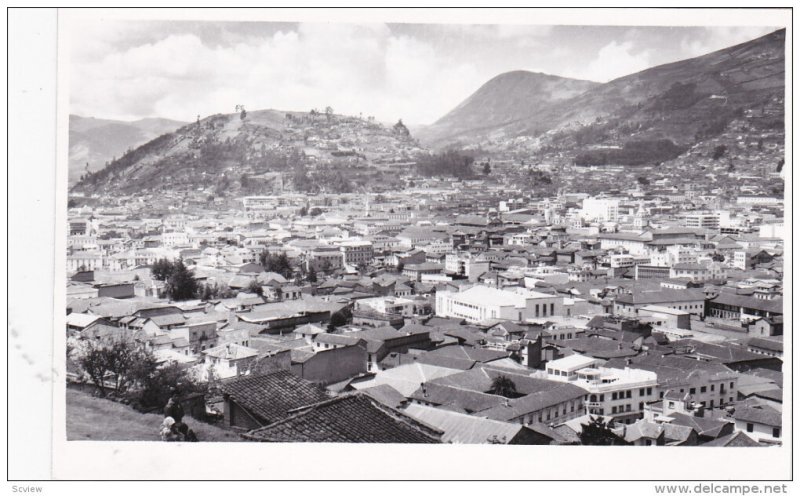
x: 281, y: 233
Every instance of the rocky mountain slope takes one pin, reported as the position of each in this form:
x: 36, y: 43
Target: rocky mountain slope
x: 95, y: 142
x: 682, y: 103
x: 254, y: 148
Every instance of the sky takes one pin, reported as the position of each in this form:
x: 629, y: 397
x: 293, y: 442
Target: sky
x: 129, y: 70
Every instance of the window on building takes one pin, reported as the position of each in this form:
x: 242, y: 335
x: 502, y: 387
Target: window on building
x: 702, y: 389
x: 712, y: 387
x: 613, y: 396
x: 641, y: 406
x: 628, y: 407
x: 691, y: 390
x: 749, y: 427
x: 776, y: 432
x: 628, y: 393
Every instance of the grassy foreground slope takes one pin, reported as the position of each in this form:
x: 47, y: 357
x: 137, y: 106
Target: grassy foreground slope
x: 97, y: 419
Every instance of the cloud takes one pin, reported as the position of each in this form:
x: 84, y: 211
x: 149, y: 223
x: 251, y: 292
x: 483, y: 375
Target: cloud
x: 616, y: 59
x: 715, y: 38
x: 135, y: 69
x: 353, y: 68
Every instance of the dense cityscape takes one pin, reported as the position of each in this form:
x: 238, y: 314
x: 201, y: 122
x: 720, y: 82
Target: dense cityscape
x: 321, y: 277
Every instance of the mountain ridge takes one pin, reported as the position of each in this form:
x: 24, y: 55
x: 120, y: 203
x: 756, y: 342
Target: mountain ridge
x: 715, y: 72
x: 93, y: 142
x: 491, y: 105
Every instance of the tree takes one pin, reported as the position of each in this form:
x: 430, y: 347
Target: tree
x: 94, y: 361
x: 487, y: 169
x: 255, y: 287
x: 110, y: 364
x: 161, y: 269
x: 155, y: 384
x: 450, y: 163
x: 312, y: 274
x: 340, y: 318
x: 598, y: 433
x: 300, y: 178
x: 303, y: 211
x: 329, y: 112
x: 325, y: 266
x: 719, y: 151
x: 503, y: 386
x: 279, y: 263
x: 181, y: 284
x: 401, y: 129
x: 643, y: 180
x: 315, y: 211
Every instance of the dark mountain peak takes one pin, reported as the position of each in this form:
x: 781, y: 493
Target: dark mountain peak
x: 504, y: 99
x: 681, y: 101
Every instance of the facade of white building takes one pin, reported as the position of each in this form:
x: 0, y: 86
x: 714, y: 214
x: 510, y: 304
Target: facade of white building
x: 479, y: 303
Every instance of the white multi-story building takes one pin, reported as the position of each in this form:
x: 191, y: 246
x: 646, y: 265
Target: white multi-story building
x: 174, y: 238
x: 479, y: 303
x: 618, y: 393
x: 758, y: 200
x: 387, y: 305
x: 701, y: 220
x: 772, y: 230
x: 600, y: 209
x: 437, y: 247
x: 621, y: 261
x: 356, y: 252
